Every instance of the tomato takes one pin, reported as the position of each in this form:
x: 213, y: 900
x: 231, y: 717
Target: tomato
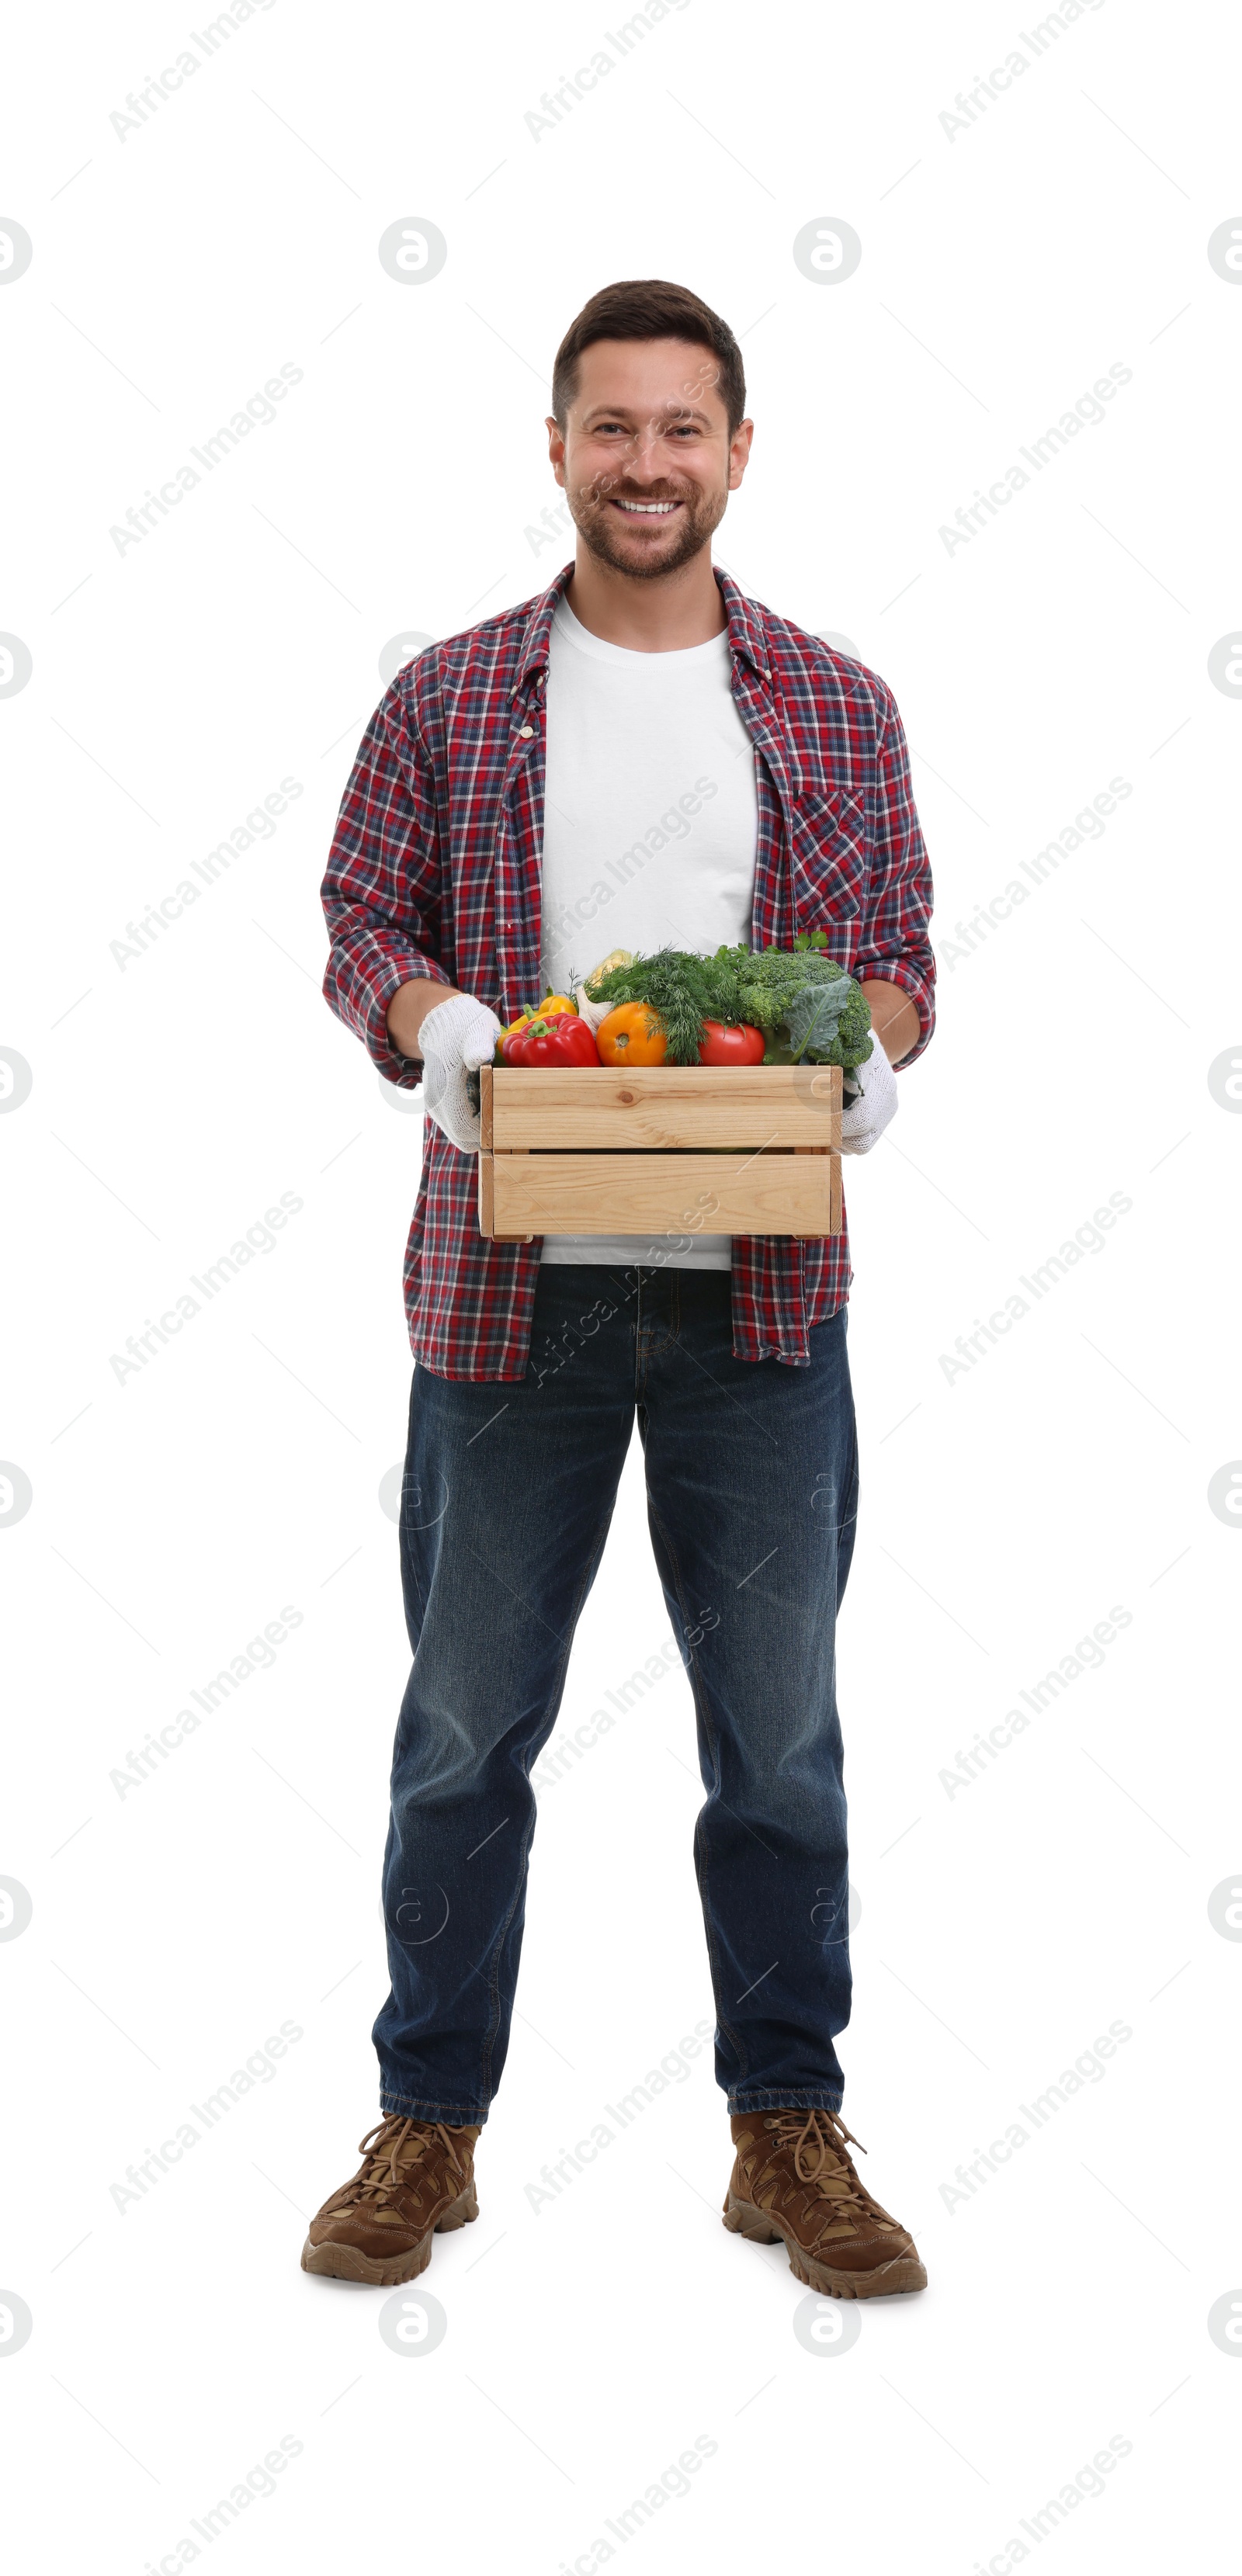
x: 632, y: 1034
x: 562, y: 1040
x: 731, y: 1044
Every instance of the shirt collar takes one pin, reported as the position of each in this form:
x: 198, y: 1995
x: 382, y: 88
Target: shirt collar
x: 746, y: 630
x: 746, y: 635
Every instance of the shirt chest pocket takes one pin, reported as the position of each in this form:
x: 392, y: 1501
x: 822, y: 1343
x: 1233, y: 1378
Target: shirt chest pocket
x: 831, y: 860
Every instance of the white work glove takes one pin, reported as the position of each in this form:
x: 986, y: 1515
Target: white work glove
x: 592, y: 1012
x: 864, y: 1120
x: 456, y: 1038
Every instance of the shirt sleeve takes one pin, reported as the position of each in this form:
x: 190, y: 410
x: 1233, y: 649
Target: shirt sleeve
x: 381, y: 893
x: 896, y: 946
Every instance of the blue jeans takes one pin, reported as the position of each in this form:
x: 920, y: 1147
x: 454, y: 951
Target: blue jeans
x: 752, y: 1484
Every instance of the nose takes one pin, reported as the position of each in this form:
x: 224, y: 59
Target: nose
x: 645, y: 461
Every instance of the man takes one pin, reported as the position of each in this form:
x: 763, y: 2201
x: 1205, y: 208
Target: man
x: 641, y: 754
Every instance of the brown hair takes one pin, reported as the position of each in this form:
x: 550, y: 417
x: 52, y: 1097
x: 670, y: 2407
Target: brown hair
x: 648, y: 308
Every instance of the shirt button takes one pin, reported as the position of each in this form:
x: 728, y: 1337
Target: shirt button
x: 525, y: 732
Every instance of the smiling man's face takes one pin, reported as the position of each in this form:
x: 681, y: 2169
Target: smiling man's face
x: 645, y: 459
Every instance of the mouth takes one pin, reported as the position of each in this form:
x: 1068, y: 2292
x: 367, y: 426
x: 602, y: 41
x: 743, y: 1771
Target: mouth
x: 645, y: 509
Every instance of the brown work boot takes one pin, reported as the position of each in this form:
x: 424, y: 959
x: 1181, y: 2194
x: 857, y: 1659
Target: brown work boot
x: 415, y: 2176
x: 794, y: 2178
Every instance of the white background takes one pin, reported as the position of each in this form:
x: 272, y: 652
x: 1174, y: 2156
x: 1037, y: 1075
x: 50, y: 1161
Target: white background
x: 1004, y: 1511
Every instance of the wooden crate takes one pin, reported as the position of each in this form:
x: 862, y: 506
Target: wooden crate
x: 660, y: 1150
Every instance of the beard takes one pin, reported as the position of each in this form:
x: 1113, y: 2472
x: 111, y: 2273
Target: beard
x: 645, y: 557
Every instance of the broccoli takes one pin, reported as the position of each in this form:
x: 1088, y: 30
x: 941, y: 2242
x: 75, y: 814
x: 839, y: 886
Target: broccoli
x: 803, y: 992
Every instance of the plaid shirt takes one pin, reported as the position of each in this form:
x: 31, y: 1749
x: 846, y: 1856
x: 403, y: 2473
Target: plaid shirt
x: 435, y: 870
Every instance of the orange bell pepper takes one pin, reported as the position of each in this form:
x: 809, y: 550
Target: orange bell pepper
x: 632, y: 1034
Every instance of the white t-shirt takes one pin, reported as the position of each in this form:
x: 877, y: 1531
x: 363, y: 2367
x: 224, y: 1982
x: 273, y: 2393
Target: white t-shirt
x: 650, y: 821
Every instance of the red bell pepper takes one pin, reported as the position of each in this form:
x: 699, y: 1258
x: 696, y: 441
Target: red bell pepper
x: 563, y: 1040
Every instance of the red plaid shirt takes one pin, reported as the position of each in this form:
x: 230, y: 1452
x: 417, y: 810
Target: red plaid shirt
x: 435, y: 870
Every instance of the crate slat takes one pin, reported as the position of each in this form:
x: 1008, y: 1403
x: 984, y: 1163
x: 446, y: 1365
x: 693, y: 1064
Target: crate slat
x: 656, y: 1107
x: 651, y: 1194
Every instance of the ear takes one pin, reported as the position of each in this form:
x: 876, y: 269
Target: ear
x: 556, y: 449
x: 739, y: 452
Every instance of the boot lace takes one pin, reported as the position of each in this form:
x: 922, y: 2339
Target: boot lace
x: 821, y: 2158
x: 390, y: 2148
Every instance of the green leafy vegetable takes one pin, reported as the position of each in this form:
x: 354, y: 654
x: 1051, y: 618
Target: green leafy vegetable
x: 802, y: 994
x: 675, y: 985
x: 815, y: 1014
x: 810, y: 1010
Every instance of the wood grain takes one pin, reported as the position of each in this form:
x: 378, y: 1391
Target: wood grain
x: 656, y: 1107
x: 662, y: 1194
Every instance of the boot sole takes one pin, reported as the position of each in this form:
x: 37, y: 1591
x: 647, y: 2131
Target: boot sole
x: 888, y: 2280
x: 348, y: 2263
